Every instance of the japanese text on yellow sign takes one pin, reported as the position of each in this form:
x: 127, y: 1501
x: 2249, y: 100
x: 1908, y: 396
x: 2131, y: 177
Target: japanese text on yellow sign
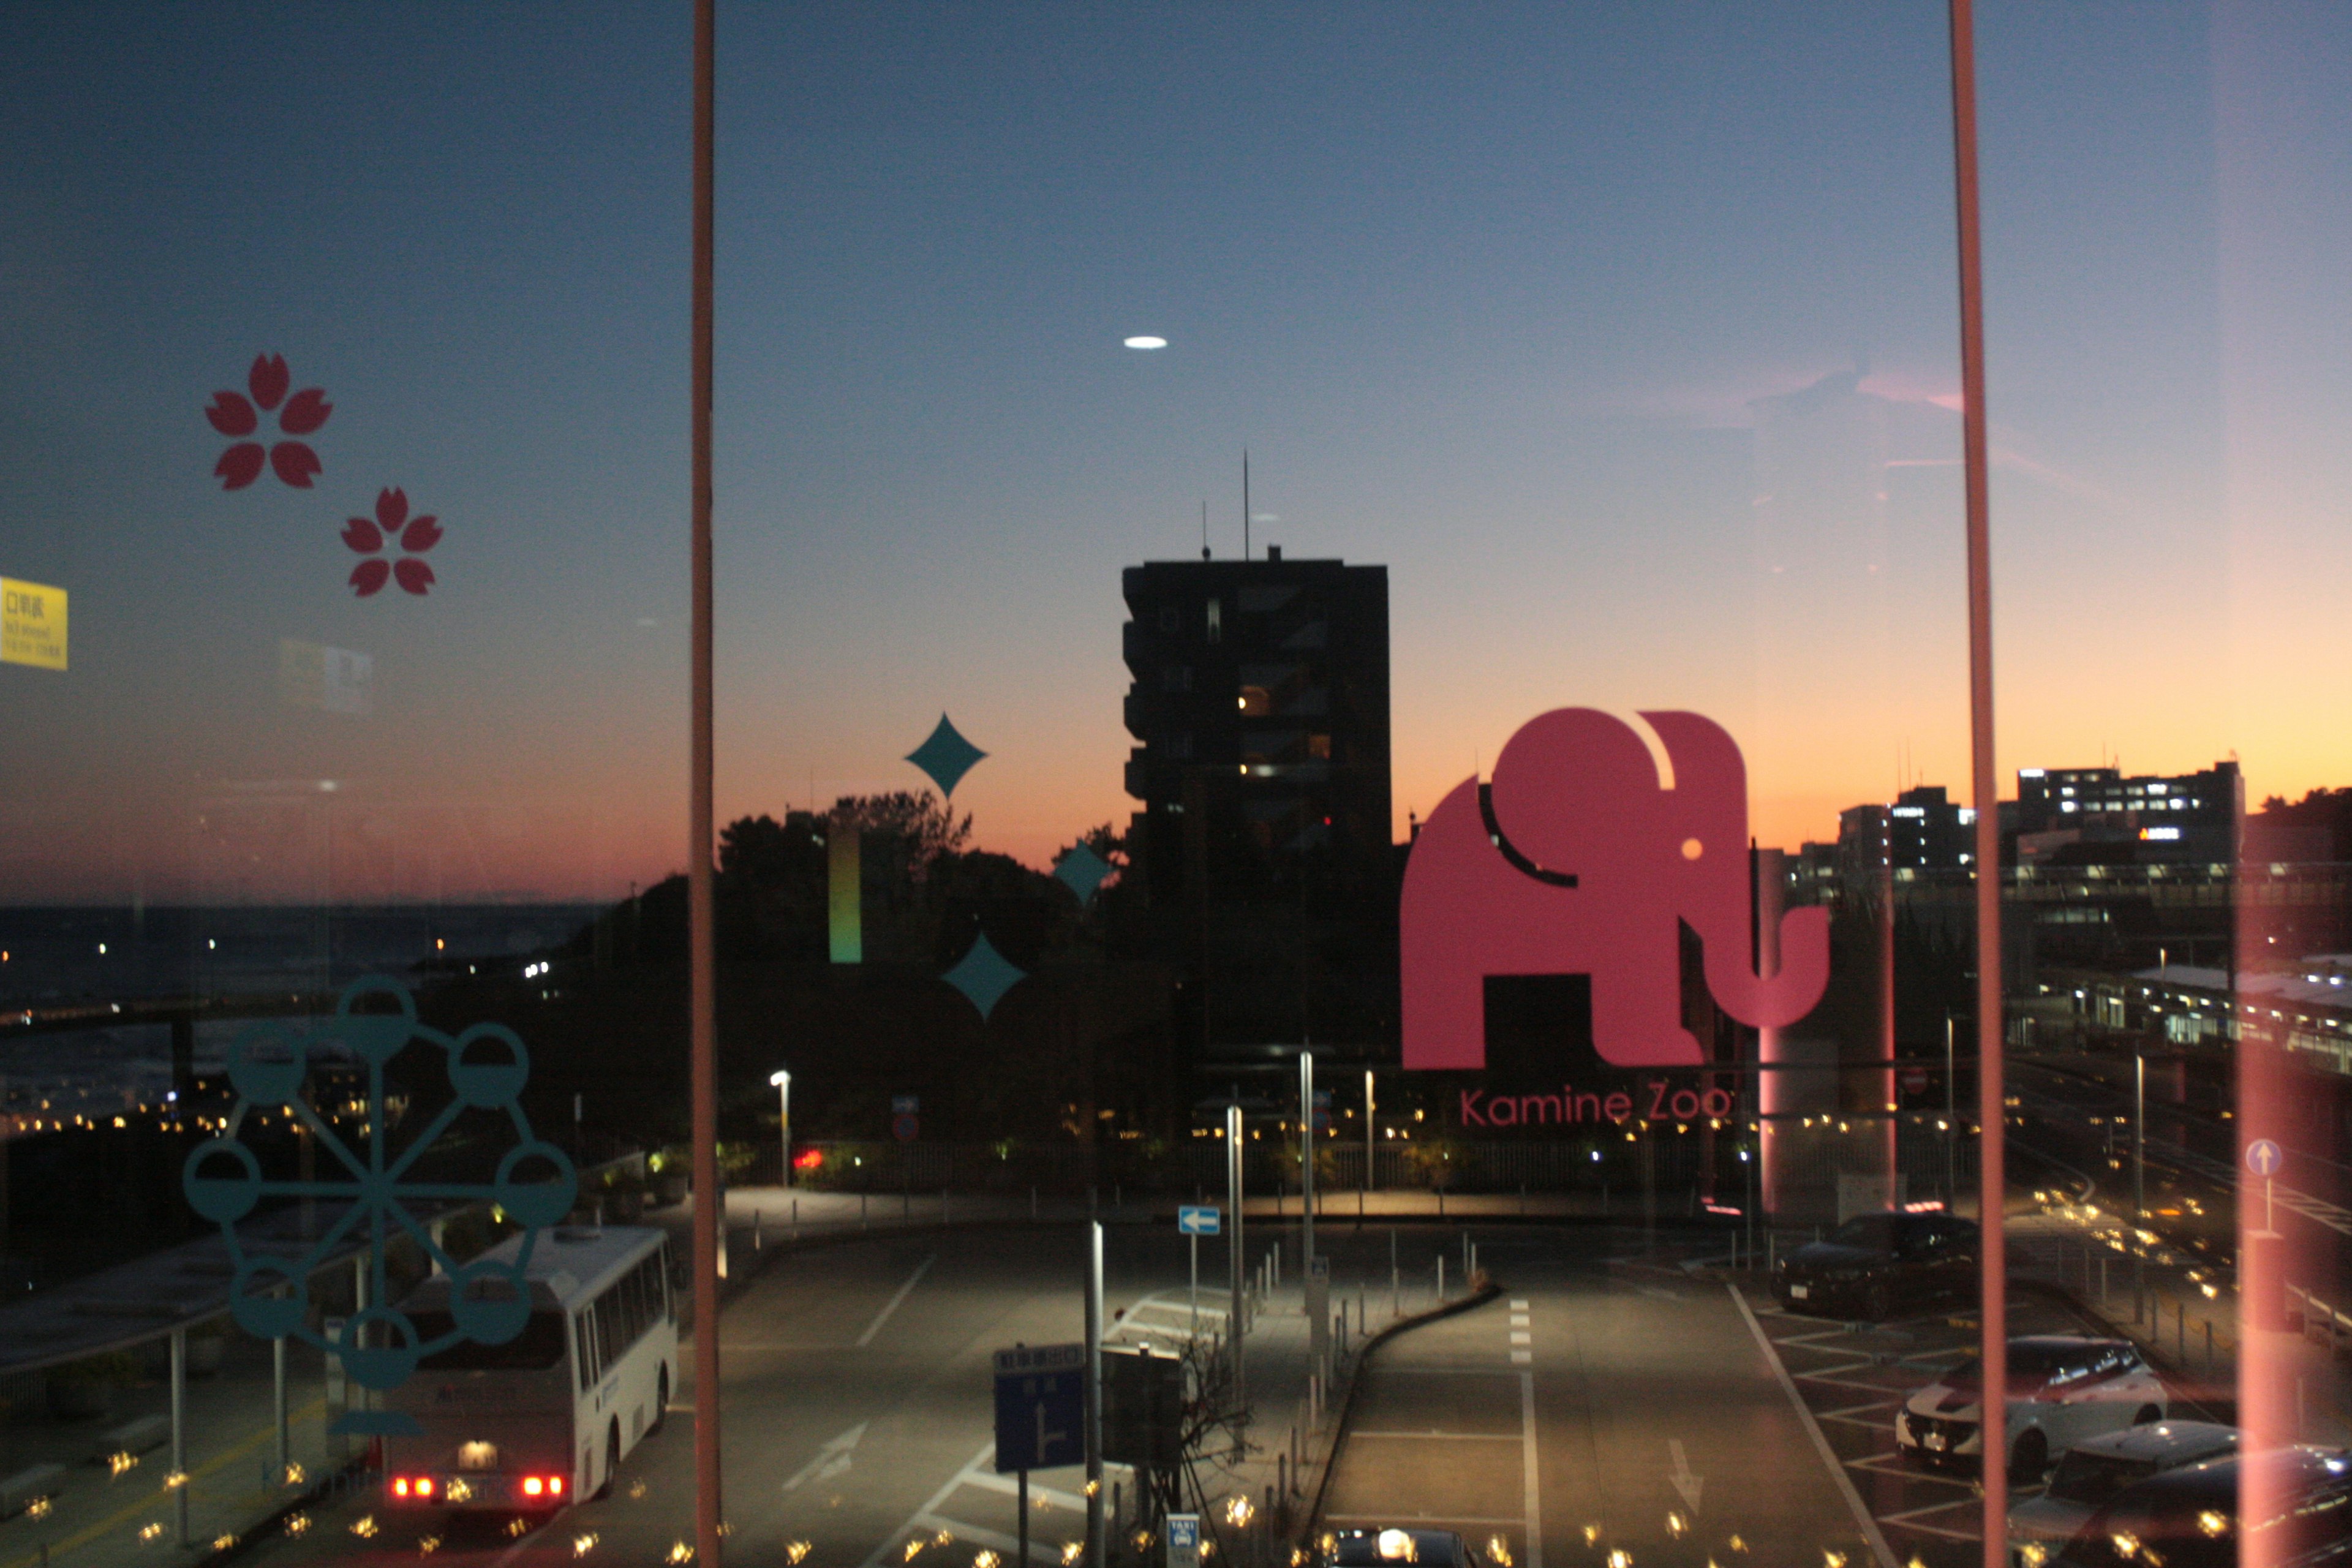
x: 32, y: 624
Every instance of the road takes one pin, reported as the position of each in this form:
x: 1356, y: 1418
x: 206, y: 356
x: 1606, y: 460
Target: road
x: 858, y: 1406
x: 1596, y: 1407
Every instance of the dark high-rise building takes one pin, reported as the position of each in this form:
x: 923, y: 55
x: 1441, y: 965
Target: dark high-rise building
x: 1260, y: 710
x: 2186, y: 818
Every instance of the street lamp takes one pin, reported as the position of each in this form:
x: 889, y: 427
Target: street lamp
x: 783, y: 1082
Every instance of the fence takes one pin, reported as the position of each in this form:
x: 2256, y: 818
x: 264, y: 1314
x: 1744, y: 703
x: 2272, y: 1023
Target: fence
x: 1678, y: 1163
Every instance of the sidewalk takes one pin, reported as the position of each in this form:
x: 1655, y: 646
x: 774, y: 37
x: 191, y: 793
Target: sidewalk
x: 104, y: 1510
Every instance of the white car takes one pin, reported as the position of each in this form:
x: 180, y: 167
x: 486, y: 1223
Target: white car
x: 2096, y: 1469
x: 2062, y: 1389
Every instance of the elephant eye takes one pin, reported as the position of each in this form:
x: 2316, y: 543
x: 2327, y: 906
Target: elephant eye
x: 1692, y: 849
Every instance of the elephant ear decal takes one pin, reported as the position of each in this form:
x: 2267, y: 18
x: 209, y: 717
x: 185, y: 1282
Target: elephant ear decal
x: 1577, y: 794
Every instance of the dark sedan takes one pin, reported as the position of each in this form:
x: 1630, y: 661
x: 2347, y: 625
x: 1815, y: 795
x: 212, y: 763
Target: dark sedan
x: 1876, y: 1265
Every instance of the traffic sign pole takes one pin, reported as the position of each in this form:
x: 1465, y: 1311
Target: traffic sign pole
x: 1305, y: 1160
x: 1236, y: 1322
x: 1195, y: 1240
x: 1098, y: 1537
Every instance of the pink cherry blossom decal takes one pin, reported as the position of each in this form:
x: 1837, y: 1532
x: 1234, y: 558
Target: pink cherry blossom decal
x: 239, y: 466
x: 233, y: 413
x: 392, y: 526
x: 269, y: 378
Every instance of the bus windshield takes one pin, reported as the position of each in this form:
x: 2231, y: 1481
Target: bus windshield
x: 539, y: 1347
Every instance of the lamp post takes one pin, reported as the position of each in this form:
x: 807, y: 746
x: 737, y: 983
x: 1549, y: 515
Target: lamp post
x: 782, y: 1081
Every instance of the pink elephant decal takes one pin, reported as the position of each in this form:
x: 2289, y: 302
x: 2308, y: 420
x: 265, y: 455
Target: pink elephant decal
x: 1588, y: 868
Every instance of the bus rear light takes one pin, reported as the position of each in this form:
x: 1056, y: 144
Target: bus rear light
x: 400, y: 1486
x: 556, y: 1486
x: 532, y: 1486
x: 424, y: 1486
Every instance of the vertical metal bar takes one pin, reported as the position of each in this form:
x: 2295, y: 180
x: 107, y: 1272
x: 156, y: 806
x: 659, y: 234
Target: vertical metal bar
x: 2139, y: 1170
x: 1236, y: 1321
x: 1993, y: 1260
x: 279, y: 1407
x: 1098, y: 1522
x: 1021, y: 1501
x: 1306, y: 1163
x: 1371, y: 1147
x: 704, y: 978
x: 180, y: 1434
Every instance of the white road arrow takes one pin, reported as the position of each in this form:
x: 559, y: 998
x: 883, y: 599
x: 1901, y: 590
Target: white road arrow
x: 834, y: 1458
x: 1684, y: 1482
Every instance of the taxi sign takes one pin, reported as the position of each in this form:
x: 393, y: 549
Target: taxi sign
x: 1199, y: 1219
x: 1183, y: 1540
x: 2264, y: 1157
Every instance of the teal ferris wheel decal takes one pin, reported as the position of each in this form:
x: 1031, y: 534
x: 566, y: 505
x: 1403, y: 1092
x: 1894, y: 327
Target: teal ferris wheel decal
x: 486, y: 1067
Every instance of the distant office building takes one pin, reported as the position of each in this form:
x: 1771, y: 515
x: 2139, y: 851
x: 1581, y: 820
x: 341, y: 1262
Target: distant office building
x: 2096, y: 813
x: 1928, y: 832
x: 1260, y: 710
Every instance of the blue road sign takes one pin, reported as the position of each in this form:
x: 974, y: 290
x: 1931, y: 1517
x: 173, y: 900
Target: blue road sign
x: 1199, y: 1219
x: 1041, y: 1407
x: 1183, y: 1540
x: 2263, y: 1158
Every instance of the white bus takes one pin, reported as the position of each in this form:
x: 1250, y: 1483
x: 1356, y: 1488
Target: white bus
x: 531, y: 1425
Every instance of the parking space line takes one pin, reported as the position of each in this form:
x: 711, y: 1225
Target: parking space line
x: 1865, y: 1404
x: 1445, y: 1437
x: 988, y: 1480
x: 947, y: 1490
x: 1836, y: 1467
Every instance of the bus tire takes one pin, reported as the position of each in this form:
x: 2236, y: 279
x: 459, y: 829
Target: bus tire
x: 661, y: 1403
x: 612, y: 1459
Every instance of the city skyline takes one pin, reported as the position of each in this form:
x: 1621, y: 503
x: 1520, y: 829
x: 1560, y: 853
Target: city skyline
x: 1550, y: 314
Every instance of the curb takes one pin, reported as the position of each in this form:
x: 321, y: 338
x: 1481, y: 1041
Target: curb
x: 1476, y: 1298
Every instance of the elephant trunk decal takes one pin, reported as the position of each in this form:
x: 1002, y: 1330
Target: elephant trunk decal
x: 1589, y: 867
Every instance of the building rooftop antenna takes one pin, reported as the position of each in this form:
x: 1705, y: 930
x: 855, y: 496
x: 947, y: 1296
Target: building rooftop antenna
x: 1204, y: 531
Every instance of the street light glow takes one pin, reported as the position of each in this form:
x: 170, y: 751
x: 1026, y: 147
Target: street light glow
x: 1147, y: 341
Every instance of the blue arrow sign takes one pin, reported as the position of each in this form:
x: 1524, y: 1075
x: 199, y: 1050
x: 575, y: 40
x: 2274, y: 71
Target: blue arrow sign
x: 1041, y: 1407
x: 1199, y: 1219
x: 2264, y: 1157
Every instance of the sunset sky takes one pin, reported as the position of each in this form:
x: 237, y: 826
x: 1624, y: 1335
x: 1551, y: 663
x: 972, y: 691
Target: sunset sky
x: 1517, y: 300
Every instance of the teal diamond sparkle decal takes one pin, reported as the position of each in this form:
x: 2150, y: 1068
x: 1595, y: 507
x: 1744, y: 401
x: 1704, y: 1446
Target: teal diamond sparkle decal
x: 984, y: 976
x: 1082, y: 871
x: 947, y: 756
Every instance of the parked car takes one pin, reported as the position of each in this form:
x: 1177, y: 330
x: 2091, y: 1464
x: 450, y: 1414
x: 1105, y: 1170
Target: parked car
x: 2096, y: 1469
x: 2063, y: 1389
x: 1876, y: 1264
x: 2188, y: 1518
x: 1393, y: 1547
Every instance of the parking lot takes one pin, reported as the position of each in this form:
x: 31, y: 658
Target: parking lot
x: 1853, y: 1377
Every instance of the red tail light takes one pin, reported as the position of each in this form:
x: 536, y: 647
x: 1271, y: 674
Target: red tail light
x: 532, y: 1486
x: 556, y: 1486
x: 400, y: 1486
x: 424, y: 1486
